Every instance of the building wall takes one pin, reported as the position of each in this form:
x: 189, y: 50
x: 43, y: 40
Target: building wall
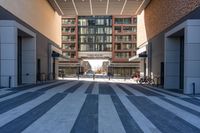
x: 43, y: 42
x: 160, y: 14
x: 38, y: 14
x: 10, y: 31
x: 161, y: 17
x: 157, y: 54
x: 141, y: 30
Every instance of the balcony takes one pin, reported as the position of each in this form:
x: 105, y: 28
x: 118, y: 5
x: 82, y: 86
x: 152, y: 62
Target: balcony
x: 69, y: 41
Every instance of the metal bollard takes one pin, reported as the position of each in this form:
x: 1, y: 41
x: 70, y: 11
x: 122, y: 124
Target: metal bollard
x: 194, y: 87
x: 9, y: 81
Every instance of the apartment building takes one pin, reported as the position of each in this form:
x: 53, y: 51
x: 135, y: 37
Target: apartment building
x: 100, y: 37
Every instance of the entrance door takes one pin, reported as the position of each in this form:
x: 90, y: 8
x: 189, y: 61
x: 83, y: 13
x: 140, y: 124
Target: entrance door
x: 38, y: 70
x: 54, y: 68
x: 162, y: 74
x: 19, y: 61
x: 181, y: 62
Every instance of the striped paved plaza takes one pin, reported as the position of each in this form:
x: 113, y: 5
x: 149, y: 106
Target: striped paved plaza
x: 96, y: 107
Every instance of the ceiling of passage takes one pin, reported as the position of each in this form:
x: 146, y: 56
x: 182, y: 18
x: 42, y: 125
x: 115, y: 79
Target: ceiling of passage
x: 98, y: 7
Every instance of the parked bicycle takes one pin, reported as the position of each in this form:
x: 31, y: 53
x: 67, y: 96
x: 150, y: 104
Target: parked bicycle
x: 146, y: 80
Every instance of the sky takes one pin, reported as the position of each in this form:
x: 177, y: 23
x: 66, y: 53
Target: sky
x: 95, y: 64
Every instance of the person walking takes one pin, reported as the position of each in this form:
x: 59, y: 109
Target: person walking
x: 93, y: 76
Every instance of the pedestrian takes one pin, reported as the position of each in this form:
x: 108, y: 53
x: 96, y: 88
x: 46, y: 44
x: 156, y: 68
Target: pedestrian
x: 93, y: 76
x: 108, y: 76
x: 63, y: 74
x: 78, y: 75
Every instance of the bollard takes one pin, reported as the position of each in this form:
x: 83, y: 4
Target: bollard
x: 9, y: 81
x: 193, y: 85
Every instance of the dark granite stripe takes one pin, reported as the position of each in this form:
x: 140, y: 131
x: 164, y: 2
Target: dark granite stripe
x: 40, y: 90
x: 8, y: 94
x: 197, y: 98
x: 22, y: 122
x: 50, y: 87
x: 21, y: 88
x: 106, y: 89
x: 124, y: 89
x: 16, y: 101
x: 87, y: 121
x: 128, y: 122
x: 90, y: 88
x: 73, y: 88
x: 182, y: 107
x: 161, y: 91
x: 192, y: 100
x: 166, y: 121
x: 26, y: 87
x: 144, y: 91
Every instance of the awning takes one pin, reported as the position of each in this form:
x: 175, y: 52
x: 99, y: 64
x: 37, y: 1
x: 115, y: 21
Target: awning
x: 141, y: 52
x: 134, y: 58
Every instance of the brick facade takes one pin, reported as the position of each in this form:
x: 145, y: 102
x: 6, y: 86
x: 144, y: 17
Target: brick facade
x: 169, y: 10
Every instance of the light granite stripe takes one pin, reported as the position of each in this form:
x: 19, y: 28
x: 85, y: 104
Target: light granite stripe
x: 109, y: 121
x: 132, y: 90
x: 96, y: 89
x: 61, y: 118
x: 190, y: 118
x: 145, y: 124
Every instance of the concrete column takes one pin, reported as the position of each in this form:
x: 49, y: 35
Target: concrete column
x: 9, y: 32
x: 172, y: 65
x: 192, y: 56
x: 8, y: 57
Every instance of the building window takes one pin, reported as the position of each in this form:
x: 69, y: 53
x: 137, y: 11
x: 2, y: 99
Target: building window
x: 83, y: 30
x: 118, y: 46
x: 122, y: 55
x: 82, y: 22
x: 96, y: 35
x: 108, y: 30
x: 117, y: 29
x: 118, y: 21
x: 68, y: 38
x: 127, y: 21
x: 100, y: 31
x: 129, y: 29
x: 100, y: 22
x: 127, y: 46
x: 68, y: 21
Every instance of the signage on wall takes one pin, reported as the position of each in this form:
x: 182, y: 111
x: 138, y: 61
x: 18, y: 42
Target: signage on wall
x: 54, y: 54
x: 143, y: 55
x: 95, y: 54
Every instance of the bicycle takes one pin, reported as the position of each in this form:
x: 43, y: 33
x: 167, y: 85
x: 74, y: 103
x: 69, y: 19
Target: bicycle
x: 146, y: 80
